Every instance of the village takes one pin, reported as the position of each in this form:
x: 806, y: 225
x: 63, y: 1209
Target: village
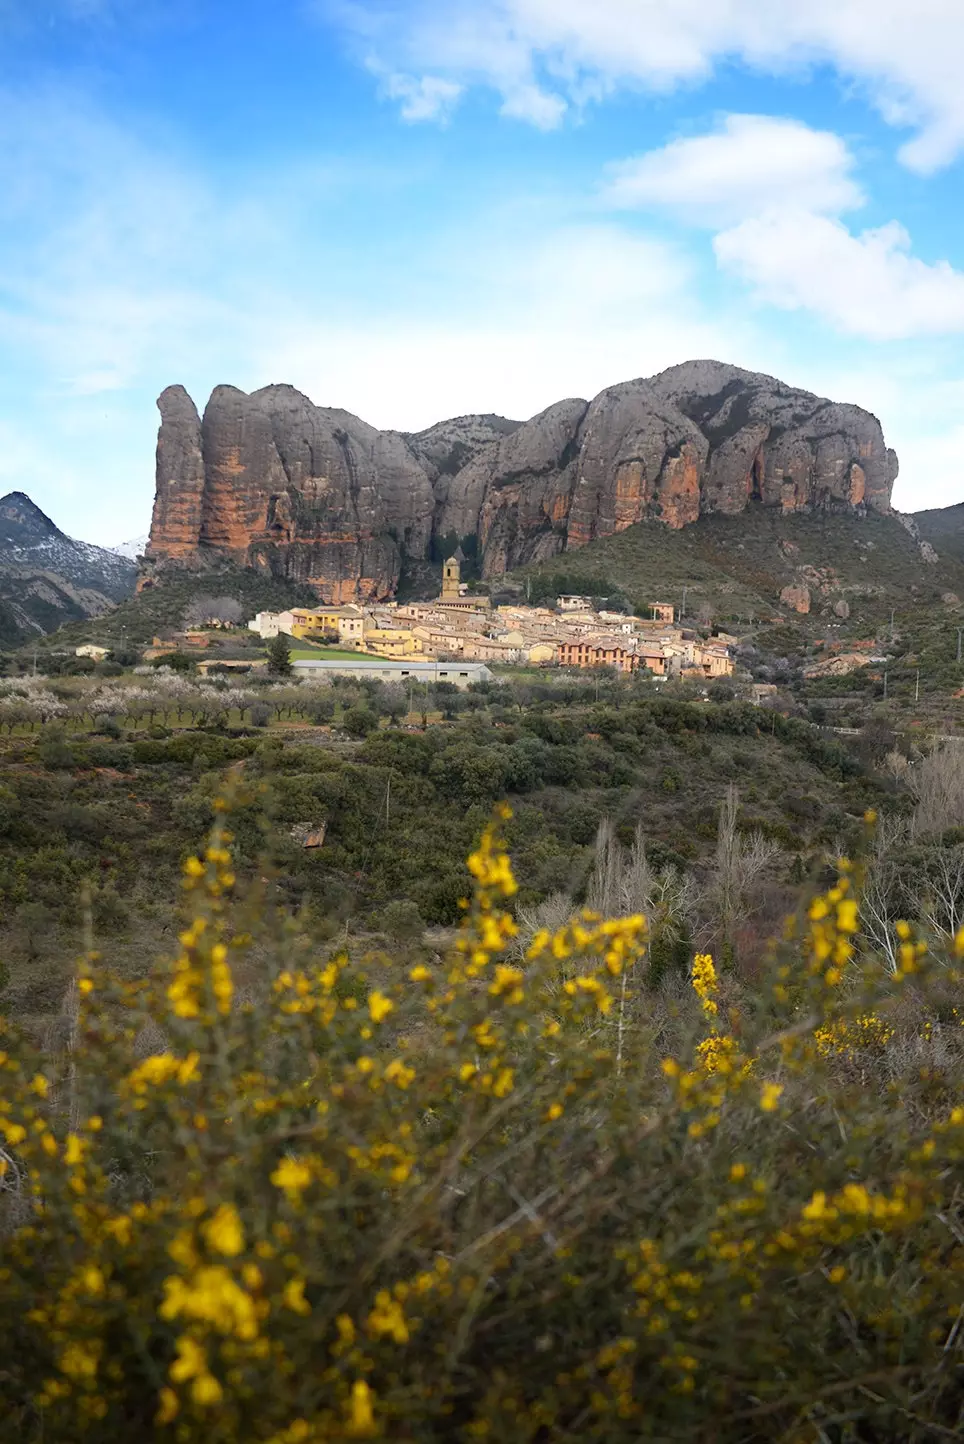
x: 466, y: 628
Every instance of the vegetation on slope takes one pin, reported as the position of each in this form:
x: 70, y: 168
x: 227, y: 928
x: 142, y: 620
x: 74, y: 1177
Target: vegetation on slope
x: 114, y: 809
x: 736, y: 566
x: 943, y: 527
x: 141, y: 617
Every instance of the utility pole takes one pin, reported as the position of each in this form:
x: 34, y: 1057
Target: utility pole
x: 885, y: 686
x: 917, y: 687
x: 959, y: 631
x: 892, y: 624
x: 682, y: 610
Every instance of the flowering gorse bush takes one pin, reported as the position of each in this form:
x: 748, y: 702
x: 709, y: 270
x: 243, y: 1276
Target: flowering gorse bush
x: 489, y: 1197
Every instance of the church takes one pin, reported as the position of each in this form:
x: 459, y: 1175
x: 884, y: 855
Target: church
x: 454, y: 590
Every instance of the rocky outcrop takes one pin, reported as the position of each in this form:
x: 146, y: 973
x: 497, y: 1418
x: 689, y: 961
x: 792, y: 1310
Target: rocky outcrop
x: 445, y: 448
x: 270, y: 480
x: 797, y: 597
x: 179, y: 490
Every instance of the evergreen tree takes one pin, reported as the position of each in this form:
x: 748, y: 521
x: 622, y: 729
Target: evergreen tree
x: 279, y: 656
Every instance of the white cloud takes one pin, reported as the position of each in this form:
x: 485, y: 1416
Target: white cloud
x: 752, y: 163
x: 868, y: 285
x: 124, y: 269
x: 429, y: 98
x: 771, y: 187
x: 906, y: 57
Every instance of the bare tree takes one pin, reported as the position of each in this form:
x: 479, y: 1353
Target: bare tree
x: 942, y: 903
x: 937, y: 783
x: 881, y: 895
x: 895, y: 765
x: 739, y: 865
x: 219, y: 611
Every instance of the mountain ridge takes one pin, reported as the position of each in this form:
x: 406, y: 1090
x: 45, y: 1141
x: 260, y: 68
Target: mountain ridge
x: 28, y: 538
x: 316, y: 495
x: 47, y: 578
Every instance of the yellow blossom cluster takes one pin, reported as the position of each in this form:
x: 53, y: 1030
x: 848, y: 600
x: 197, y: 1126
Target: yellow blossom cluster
x: 456, y: 1199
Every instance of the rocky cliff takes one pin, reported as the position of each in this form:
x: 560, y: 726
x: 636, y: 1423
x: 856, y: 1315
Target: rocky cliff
x: 271, y: 481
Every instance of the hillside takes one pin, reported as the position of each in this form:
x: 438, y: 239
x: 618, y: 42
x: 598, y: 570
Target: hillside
x: 853, y: 569
x: 28, y: 538
x: 47, y: 579
x: 139, y: 618
x: 34, y: 604
x: 943, y: 527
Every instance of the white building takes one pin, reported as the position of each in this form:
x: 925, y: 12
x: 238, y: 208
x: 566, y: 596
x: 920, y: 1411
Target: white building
x: 460, y: 674
x: 269, y: 624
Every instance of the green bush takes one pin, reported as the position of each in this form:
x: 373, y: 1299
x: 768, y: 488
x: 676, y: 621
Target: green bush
x: 268, y: 1196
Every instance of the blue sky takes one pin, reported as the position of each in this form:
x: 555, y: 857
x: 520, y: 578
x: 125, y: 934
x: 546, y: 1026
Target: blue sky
x: 417, y: 208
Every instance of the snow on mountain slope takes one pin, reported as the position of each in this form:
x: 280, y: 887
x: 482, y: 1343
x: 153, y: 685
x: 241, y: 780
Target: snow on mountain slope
x: 132, y: 549
x: 29, y: 539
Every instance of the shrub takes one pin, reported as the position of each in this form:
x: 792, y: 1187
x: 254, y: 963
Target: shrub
x: 496, y: 1198
x: 359, y: 721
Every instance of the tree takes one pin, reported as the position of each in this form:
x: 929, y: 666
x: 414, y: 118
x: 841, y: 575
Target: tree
x: 174, y: 662
x: 739, y: 864
x: 279, y: 656
x: 937, y: 784
x: 359, y: 721
x: 222, y: 611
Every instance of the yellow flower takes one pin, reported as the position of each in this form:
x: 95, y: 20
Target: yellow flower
x: 361, y: 1416
x: 74, y: 1150
x: 224, y: 1232
x: 379, y: 1006
x: 388, y: 1318
x: 770, y: 1096
x: 80, y: 1361
x: 191, y: 1360
x: 206, y: 1390
x: 294, y: 1296
x: 292, y: 1176
x: 168, y: 1407
x: 847, y: 916
x: 399, y: 1073
x: 818, y: 1208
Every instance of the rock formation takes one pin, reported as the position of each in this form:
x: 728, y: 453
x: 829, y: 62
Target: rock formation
x: 797, y: 597
x: 271, y: 481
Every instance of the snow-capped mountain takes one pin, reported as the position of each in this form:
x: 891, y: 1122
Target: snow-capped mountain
x: 30, y: 540
x: 132, y: 549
